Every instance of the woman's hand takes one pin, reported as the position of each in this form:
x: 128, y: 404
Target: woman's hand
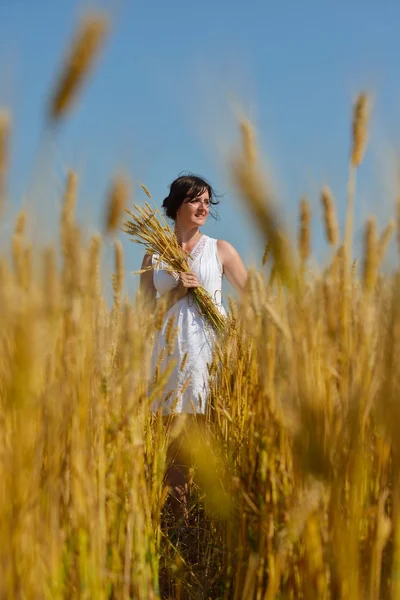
x: 188, y: 281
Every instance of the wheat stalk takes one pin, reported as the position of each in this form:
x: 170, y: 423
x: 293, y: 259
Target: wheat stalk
x: 119, y: 265
x: 360, y: 129
x: 4, y: 141
x: 70, y: 195
x: 117, y: 201
x: 359, y: 142
x: 370, y: 255
x: 145, y: 189
x: 385, y: 238
x: 84, y: 50
x: 267, y: 252
x: 304, y: 230
x: 330, y: 219
x: 258, y: 195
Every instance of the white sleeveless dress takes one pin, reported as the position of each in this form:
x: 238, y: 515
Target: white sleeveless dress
x: 187, y: 386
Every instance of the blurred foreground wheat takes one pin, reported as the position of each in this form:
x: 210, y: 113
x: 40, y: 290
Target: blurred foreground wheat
x: 295, y: 481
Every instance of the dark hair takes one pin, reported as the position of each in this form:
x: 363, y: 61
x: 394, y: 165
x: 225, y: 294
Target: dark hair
x: 187, y: 186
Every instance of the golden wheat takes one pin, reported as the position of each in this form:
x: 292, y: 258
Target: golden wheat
x: 304, y: 230
x: 119, y: 267
x: 371, y: 255
x: 330, y: 219
x: 260, y: 203
x: 249, y: 143
x: 267, y: 252
x: 385, y: 238
x: 360, y: 129
x: 117, y: 201
x: 4, y: 141
x: 83, y: 52
x: 145, y: 189
x: 294, y: 487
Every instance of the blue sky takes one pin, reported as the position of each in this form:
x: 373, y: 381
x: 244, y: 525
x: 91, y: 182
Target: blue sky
x: 160, y: 102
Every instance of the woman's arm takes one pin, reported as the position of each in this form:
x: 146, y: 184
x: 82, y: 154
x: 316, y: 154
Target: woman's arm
x: 234, y: 269
x: 146, y: 280
x: 187, y: 281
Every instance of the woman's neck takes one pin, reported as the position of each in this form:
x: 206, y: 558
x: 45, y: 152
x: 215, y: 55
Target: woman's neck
x: 186, y: 236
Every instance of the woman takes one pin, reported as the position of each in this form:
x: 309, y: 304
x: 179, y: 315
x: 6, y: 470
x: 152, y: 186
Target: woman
x: 188, y: 205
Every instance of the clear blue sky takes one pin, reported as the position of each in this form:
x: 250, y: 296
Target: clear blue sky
x: 158, y: 100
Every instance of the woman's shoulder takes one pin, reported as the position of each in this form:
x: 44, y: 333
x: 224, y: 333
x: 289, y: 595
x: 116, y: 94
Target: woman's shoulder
x: 226, y: 251
x: 217, y: 242
x: 224, y: 246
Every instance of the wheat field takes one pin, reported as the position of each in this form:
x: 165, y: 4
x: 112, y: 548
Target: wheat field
x: 295, y: 488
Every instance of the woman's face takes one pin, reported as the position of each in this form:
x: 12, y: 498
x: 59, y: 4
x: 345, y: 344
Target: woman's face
x: 194, y: 212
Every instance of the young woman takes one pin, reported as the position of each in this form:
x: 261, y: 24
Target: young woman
x: 188, y: 205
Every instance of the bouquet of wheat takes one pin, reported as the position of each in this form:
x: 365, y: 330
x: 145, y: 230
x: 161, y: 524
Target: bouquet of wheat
x: 145, y: 228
